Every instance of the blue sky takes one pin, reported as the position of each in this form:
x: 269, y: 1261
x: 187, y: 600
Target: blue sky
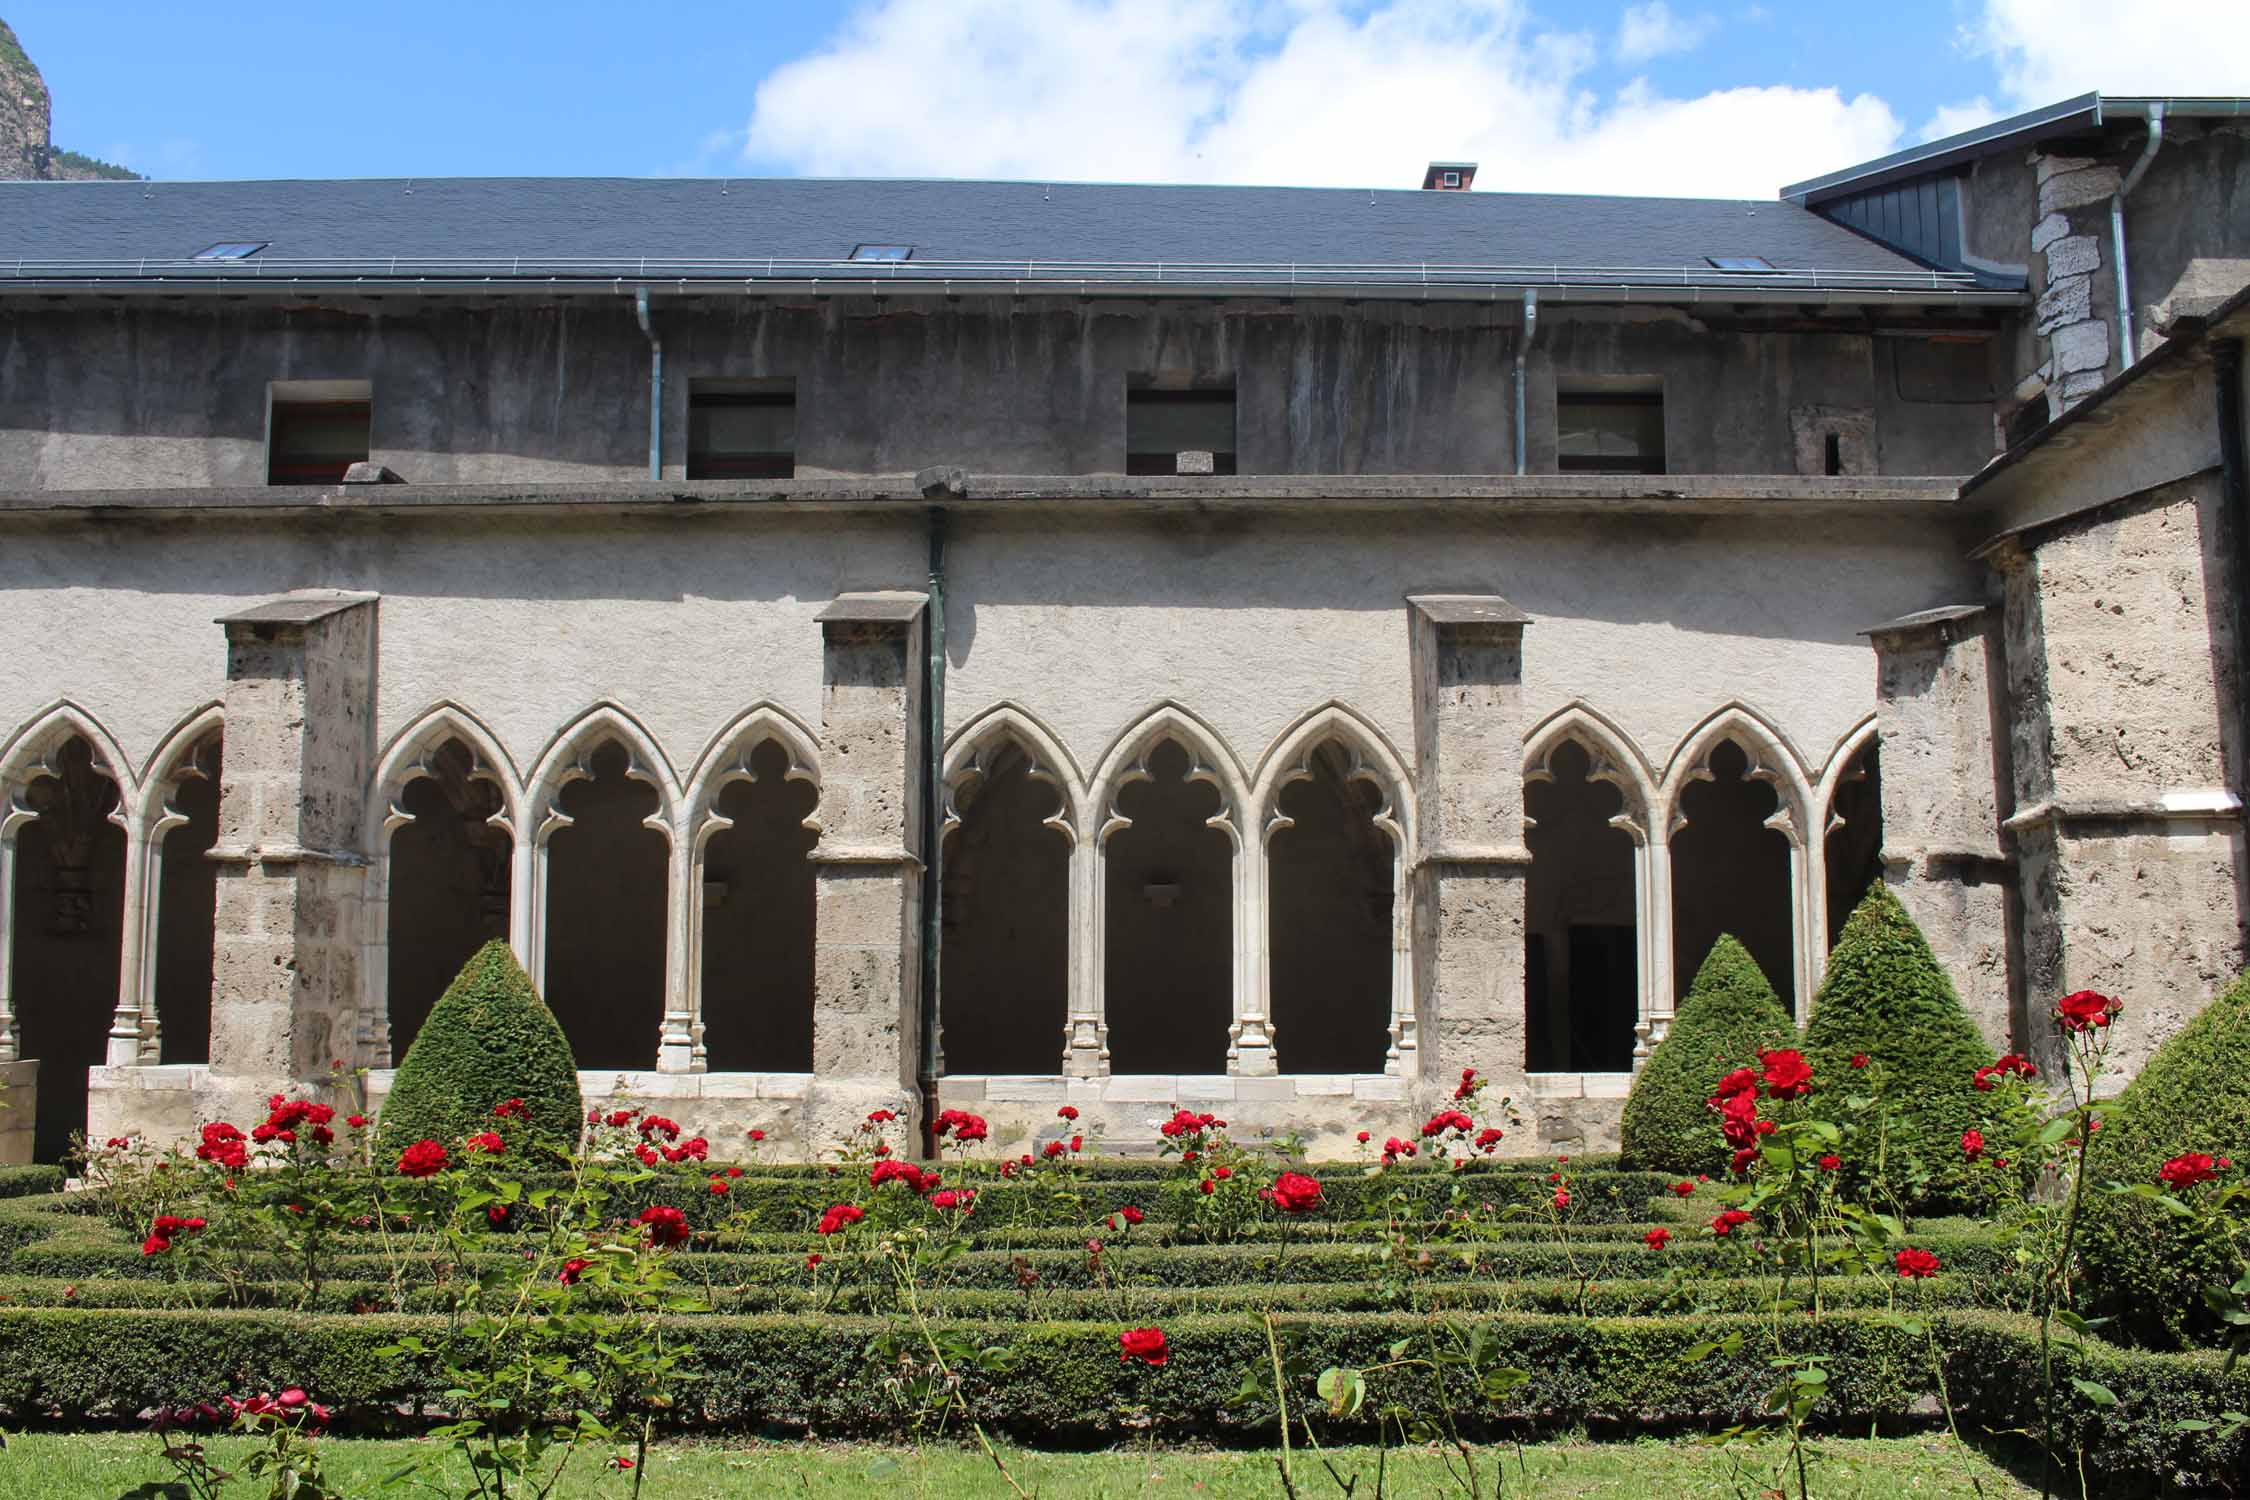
x: 1597, y: 97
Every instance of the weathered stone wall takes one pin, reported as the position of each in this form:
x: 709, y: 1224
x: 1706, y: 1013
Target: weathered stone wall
x: 2124, y: 726
x: 517, y: 392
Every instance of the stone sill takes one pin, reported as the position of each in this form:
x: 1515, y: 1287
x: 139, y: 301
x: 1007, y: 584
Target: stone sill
x: 1581, y: 1085
x: 1164, y: 1088
x: 1665, y: 493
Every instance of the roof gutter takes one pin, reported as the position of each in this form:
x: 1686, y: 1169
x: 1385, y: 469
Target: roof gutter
x: 2128, y: 347
x: 655, y: 388
x: 1523, y: 357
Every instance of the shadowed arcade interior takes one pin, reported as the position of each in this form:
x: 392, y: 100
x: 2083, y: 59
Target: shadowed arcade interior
x: 1730, y: 873
x: 758, y: 900
x: 449, y: 885
x: 1168, y: 944
x: 1329, y: 900
x: 606, y: 879
x: 1582, y: 970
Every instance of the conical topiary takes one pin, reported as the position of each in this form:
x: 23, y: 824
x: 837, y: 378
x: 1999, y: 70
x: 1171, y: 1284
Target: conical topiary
x: 489, y: 1038
x: 2143, y: 1263
x: 1886, y: 997
x: 1730, y: 1013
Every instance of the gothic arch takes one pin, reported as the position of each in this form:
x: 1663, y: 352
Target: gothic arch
x: 412, y: 756
x: 725, y: 762
x: 175, y: 759
x: 1838, y: 770
x: 26, y: 751
x: 1844, y: 777
x: 1210, y: 762
x: 618, y: 961
x: 969, y: 753
x: 1614, y: 759
x: 1376, y: 762
x: 188, y: 755
x: 1774, y: 761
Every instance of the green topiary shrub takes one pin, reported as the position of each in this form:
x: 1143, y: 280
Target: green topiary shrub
x: 489, y: 1038
x: 2143, y: 1264
x: 1729, y: 1014
x: 1886, y: 997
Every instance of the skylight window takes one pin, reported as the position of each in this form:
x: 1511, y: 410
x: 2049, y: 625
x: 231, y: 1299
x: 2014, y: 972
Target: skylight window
x: 882, y: 252
x: 1740, y: 262
x: 232, y: 250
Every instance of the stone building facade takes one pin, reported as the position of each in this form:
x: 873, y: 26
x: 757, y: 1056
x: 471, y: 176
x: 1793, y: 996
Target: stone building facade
x: 1003, y: 645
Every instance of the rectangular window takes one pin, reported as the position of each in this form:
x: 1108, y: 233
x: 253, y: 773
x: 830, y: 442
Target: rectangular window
x: 316, y: 429
x: 742, y: 429
x: 1609, y: 432
x: 1165, y: 431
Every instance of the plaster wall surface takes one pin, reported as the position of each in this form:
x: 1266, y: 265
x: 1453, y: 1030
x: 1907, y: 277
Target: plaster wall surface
x: 520, y: 392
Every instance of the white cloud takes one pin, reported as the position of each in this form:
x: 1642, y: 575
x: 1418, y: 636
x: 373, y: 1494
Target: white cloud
x: 1315, y: 92
x: 1952, y: 119
x: 2046, y: 50
x: 1651, y: 30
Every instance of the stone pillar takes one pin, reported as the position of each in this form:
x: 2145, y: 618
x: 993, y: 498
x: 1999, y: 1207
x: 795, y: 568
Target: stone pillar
x: 1467, y: 657
x: 867, y: 946
x: 300, y: 737
x: 1945, y: 790
x: 2128, y: 826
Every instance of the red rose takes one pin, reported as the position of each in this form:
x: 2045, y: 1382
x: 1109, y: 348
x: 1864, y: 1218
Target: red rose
x: 1657, y: 1239
x: 496, y: 1213
x: 665, y: 1225
x: 1488, y: 1138
x: 881, y: 1116
x: 812, y: 1262
x: 1740, y: 1081
x: 1831, y: 1162
x: 1728, y: 1222
x: 486, y: 1141
x: 1144, y: 1344
x: 1562, y: 1197
x: 511, y: 1109
x: 1684, y: 1189
x: 1468, y: 1085
x: 1294, y: 1193
x: 1915, y: 1265
x: 574, y: 1268
x: 2087, y: 1010
x: 1859, y: 1059
x: 755, y: 1134
x: 1972, y: 1144
x: 658, y: 1125
x: 1788, y: 1075
x: 1743, y: 1159
x: 2180, y: 1172
x: 1053, y: 1150
x: 718, y: 1185
x: 1364, y: 1137
x: 155, y: 1244
x: 1206, y: 1187
x: 840, y: 1216
x: 1067, y: 1112
x: 422, y: 1159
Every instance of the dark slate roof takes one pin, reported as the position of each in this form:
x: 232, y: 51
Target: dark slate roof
x: 803, y: 229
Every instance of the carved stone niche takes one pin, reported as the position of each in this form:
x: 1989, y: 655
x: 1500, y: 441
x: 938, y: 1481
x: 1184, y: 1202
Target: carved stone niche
x: 1833, y: 439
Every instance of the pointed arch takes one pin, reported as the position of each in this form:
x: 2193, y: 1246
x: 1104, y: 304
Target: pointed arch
x: 766, y: 965
x: 26, y: 752
x: 413, y: 755
x: 1772, y: 759
x: 170, y: 902
x: 602, y: 1038
x: 1323, y: 899
x: 1843, y: 869
x: 1838, y: 769
x: 1126, y: 761
x: 568, y: 758
x: 1613, y: 759
x: 969, y: 757
x: 1574, y: 981
x: 1210, y: 762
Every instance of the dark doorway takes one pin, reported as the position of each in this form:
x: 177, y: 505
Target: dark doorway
x: 758, y: 898
x: 1006, y: 953
x: 1578, y: 904
x: 1730, y: 874
x: 1168, y: 947
x: 606, y: 878
x: 1328, y: 893
x: 449, y: 885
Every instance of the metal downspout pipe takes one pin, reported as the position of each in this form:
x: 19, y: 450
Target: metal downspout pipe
x: 2128, y: 349
x: 655, y: 388
x: 933, y: 831
x: 1523, y: 358
x: 2234, y: 494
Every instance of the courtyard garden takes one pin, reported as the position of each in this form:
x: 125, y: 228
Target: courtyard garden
x: 1870, y: 1257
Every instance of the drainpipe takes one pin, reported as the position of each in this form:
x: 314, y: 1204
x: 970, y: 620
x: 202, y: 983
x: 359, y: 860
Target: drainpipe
x: 933, y: 830
x: 2127, y: 351
x: 2234, y: 494
x: 1523, y: 357
x: 655, y: 388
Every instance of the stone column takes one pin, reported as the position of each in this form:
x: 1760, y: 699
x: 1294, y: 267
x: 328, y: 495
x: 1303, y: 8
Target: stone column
x: 1945, y: 779
x: 299, y: 747
x: 867, y: 946
x: 2128, y: 821
x: 1467, y: 656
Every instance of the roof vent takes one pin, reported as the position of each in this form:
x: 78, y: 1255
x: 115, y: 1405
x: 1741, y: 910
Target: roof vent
x: 1449, y: 176
x: 1741, y: 265
x: 232, y: 250
x: 882, y: 252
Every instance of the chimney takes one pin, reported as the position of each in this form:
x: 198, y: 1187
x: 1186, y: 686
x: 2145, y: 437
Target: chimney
x: 1449, y: 176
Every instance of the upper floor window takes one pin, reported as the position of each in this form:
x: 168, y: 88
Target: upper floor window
x: 1172, y: 432
x: 742, y: 429
x: 316, y: 430
x: 1609, y: 431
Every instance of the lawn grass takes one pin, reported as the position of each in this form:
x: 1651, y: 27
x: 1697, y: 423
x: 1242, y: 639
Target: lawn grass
x: 104, y: 1466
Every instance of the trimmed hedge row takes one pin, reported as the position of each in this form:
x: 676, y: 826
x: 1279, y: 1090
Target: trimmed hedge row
x: 25, y: 1182
x: 103, y: 1254
x: 1605, y: 1299
x: 808, y: 1374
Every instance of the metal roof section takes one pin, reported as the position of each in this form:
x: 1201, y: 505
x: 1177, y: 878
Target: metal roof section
x: 798, y: 235
x: 2068, y: 117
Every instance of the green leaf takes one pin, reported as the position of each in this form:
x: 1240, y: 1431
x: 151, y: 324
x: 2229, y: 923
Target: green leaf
x: 2094, y: 1391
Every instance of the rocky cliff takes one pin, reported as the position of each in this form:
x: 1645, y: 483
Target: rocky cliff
x: 27, y: 148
